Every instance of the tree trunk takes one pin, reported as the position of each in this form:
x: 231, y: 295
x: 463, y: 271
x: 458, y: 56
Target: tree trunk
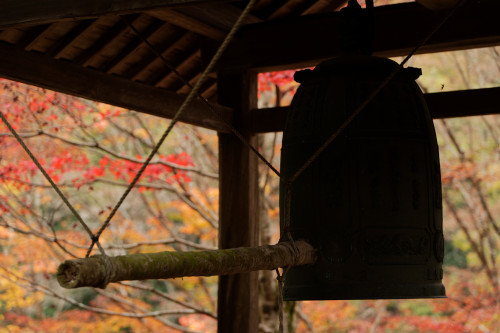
x: 98, y: 270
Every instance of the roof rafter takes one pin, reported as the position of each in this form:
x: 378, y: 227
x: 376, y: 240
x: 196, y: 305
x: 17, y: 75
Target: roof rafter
x: 36, y: 69
x: 22, y: 12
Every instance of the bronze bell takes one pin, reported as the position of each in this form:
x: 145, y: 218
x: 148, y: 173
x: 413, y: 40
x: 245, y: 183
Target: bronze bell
x: 371, y: 202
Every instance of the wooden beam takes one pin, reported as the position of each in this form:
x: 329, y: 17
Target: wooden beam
x: 209, y: 20
x: 462, y: 103
x: 66, y: 42
x: 304, y: 7
x: 171, y: 52
x: 62, y: 44
x: 269, y: 119
x: 38, y: 70
x: 104, y: 40
x: 188, y: 68
x: 23, y: 12
x: 238, y: 205
x: 32, y: 35
x: 221, y: 15
x: 306, y: 40
x: 323, y: 6
x: 133, y: 46
x: 189, y: 23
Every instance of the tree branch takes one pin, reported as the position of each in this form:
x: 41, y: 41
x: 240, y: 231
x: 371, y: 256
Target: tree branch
x: 30, y: 284
x: 183, y: 196
x: 103, y: 149
x: 97, y: 270
x: 197, y: 309
x: 302, y: 316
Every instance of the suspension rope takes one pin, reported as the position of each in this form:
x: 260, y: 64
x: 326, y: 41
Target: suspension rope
x: 51, y: 182
x: 281, y: 281
x: 176, y: 117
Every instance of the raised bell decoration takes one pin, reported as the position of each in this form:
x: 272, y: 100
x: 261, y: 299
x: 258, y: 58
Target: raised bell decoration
x: 371, y: 202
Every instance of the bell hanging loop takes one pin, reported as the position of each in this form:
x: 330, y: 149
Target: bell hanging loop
x: 357, y: 28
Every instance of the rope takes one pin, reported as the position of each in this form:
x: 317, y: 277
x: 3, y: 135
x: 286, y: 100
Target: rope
x: 45, y: 174
x: 286, y: 219
x: 281, y: 280
x: 176, y: 117
x: 49, y: 179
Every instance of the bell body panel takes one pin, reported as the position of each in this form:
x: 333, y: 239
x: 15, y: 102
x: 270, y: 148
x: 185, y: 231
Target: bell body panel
x: 371, y: 202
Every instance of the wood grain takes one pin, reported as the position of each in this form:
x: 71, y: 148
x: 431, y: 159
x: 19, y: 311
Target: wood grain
x: 38, y: 70
x: 238, y: 204
x: 297, y: 42
x: 460, y: 103
x: 23, y: 12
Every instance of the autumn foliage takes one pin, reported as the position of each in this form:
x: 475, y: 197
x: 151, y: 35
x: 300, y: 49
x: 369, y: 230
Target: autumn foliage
x: 92, y: 152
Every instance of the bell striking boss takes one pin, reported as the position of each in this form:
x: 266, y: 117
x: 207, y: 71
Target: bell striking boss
x: 371, y: 202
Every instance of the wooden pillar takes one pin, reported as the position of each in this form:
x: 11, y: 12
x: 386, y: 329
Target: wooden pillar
x: 238, y: 203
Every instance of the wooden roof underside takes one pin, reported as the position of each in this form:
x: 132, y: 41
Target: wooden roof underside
x: 87, y: 48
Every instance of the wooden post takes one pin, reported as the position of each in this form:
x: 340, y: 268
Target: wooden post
x: 238, y: 203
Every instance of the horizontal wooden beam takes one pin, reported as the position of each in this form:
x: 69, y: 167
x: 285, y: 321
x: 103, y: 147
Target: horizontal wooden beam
x: 209, y: 20
x: 304, y: 41
x: 461, y: 103
x: 22, y: 12
x: 33, y: 68
x: 189, y: 23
